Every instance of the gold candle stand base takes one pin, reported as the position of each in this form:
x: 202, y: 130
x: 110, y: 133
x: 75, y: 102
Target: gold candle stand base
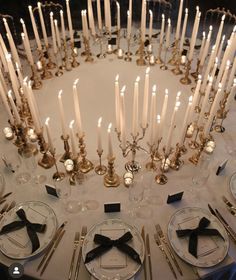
x: 161, y: 179
x: 111, y: 179
x: 177, y: 71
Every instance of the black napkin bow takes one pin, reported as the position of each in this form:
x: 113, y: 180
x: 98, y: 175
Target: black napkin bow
x: 32, y: 228
x: 106, y: 244
x: 193, y: 234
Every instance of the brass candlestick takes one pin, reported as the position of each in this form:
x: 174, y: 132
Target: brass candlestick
x: 128, y: 53
x: 36, y: 82
x: 221, y: 111
x: 161, y: 178
x: 84, y: 165
x: 88, y: 54
x: 46, y: 74
x: 164, y: 66
x: 118, y: 42
x: 132, y: 166
x: 59, y: 71
x: 66, y: 58
x: 177, y: 71
x: 193, y: 144
x: 50, y: 64
x: 151, y: 164
x: 141, y: 61
x: 100, y: 169
x: 197, y: 71
x: 186, y: 80
x: 111, y: 179
x: 57, y: 176
x: 174, y: 58
x: 47, y: 161
x: 67, y: 154
x: 195, y: 157
x: 74, y: 62
x: 176, y: 162
x: 219, y: 127
x: 158, y: 59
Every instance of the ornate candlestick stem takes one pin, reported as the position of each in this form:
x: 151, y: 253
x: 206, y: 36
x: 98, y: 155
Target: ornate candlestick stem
x: 141, y: 61
x: 177, y: 70
x: 66, y: 58
x: 67, y: 154
x: 45, y: 73
x: 85, y: 165
x: 118, y: 41
x: 100, y: 169
x: 57, y: 176
x: 74, y: 62
x: 221, y: 111
x: 161, y: 178
x: 186, y: 80
x: 176, y: 162
x: 173, y: 59
x: 195, y: 157
x: 193, y: 144
x: 151, y: 164
x: 158, y: 59
x: 59, y: 72
x: 50, y: 64
x: 111, y: 179
x: 219, y: 127
x: 128, y: 54
x: 196, y: 73
x: 164, y: 66
x: 89, y: 57
x: 36, y: 82
x: 47, y: 161
x: 101, y: 54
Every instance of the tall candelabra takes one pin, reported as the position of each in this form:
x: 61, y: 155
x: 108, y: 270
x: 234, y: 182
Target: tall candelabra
x: 47, y: 161
x: 111, y: 179
x: 84, y: 164
x: 186, y: 80
x: 132, y: 166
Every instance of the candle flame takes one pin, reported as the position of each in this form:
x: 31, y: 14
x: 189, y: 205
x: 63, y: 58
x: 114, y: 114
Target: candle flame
x: 76, y: 82
x: 123, y: 89
x: 22, y: 21
x: 190, y: 100
x: 60, y: 93
x: 154, y: 88
x: 177, y: 104
x: 186, y: 11
x: 5, y: 21
x: 169, y: 21
x: 158, y: 118
x: 30, y: 7
x: 210, y: 28
x: 71, y: 124
x: 204, y: 34
x: 147, y: 70
x: 166, y: 92
x: 117, y: 5
x: 117, y: 77
x: 128, y: 13
x: 9, y: 93
x: 23, y: 35
x: 39, y: 4
x: 220, y: 86
x: 197, y: 8
x: 163, y: 16
x: 109, y: 127
x: 55, y: 21
x: 100, y: 121
x: 228, y: 63
x: 150, y: 13
x: 47, y: 121
x: 223, y: 17
x: 137, y: 79
x: 51, y: 14
x: 216, y: 60
x: 61, y: 12
x: 199, y: 77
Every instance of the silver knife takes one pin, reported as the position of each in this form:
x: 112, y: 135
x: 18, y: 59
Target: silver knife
x: 144, y: 264
x: 82, y: 236
x: 149, y: 255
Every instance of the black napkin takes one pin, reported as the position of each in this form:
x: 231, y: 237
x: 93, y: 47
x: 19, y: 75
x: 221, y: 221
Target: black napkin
x: 31, y: 228
x: 198, y: 231
x: 106, y: 244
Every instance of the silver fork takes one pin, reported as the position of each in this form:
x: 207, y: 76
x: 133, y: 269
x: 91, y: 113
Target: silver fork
x: 83, y: 234
x: 7, y: 208
x: 76, y: 244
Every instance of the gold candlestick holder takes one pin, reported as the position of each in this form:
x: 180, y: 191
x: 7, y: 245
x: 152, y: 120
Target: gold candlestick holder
x: 128, y: 53
x: 36, y: 82
x: 75, y: 175
x: 219, y: 127
x: 186, y: 80
x: 88, y: 53
x: 46, y: 74
x: 193, y: 144
x: 221, y: 111
x: 176, y: 162
x: 197, y: 71
x: 111, y: 179
x: 47, y: 161
x: 190, y: 130
x: 50, y: 64
x: 177, y: 71
x: 164, y: 66
x: 158, y: 59
x: 59, y: 71
x: 100, y: 169
x: 67, y: 154
x: 154, y: 155
x: 141, y: 60
x: 66, y: 58
x: 102, y: 54
x: 132, y: 147
x: 161, y: 178
x: 24, y: 110
x: 174, y: 58
x: 84, y: 164
x: 74, y: 62
x: 58, y: 175
x: 195, y: 157
x: 116, y: 51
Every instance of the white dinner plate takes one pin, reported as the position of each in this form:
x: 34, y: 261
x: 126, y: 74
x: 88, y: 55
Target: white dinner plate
x: 16, y: 244
x: 113, y: 264
x: 211, y: 249
x: 232, y: 185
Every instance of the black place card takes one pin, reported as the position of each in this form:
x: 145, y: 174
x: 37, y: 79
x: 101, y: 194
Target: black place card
x: 112, y: 41
x: 174, y: 197
x: 184, y: 52
x: 51, y: 190
x: 77, y: 44
x: 112, y: 207
x: 146, y: 43
x: 221, y: 167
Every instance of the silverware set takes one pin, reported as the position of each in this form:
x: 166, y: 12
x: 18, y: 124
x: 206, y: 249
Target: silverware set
x: 78, y: 243
x: 52, y: 248
x: 6, y: 208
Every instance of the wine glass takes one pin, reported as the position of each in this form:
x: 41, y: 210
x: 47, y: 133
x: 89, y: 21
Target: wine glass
x: 201, y: 173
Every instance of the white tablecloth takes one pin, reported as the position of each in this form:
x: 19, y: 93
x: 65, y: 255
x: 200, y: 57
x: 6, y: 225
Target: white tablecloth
x: 97, y: 98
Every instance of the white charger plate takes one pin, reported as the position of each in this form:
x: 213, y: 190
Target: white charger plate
x: 232, y: 185
x: 112, y: 273
x: 17, y: 245
x: 213, y: 249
